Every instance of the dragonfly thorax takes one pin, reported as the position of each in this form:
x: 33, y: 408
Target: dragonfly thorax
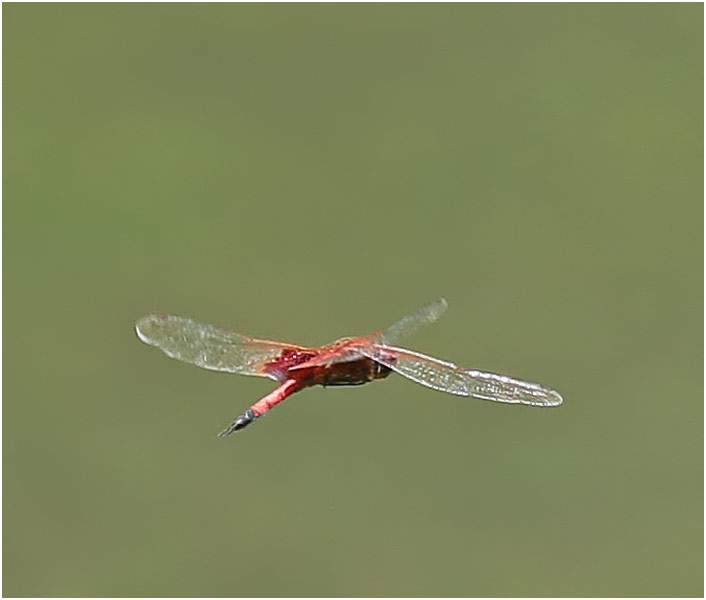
x: 352, y: 372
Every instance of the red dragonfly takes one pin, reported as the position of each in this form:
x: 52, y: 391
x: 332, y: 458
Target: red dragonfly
x: 348, y: 361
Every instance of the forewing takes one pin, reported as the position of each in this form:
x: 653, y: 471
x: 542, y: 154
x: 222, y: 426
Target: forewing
x: 447, y: 377
x: 402, y: 328
x: 208, y: 346
x: 409, y: 324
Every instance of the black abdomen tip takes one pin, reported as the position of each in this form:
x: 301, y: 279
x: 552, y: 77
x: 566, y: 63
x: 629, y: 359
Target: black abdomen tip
x: 242, y: 421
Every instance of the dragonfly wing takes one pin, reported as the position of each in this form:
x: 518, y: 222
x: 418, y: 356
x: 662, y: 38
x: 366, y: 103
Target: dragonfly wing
x: 409, y: 324
x: 448, y: 377
x: 402, y: 328
x: 208, y: 346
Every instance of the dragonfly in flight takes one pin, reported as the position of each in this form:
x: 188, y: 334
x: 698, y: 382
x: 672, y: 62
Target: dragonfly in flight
x: 348, y: 361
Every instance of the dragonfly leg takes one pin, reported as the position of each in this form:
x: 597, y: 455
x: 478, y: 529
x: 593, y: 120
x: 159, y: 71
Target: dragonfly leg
x: 261, y: 407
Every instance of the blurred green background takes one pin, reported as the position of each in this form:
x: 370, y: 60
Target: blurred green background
x: 306, y: 172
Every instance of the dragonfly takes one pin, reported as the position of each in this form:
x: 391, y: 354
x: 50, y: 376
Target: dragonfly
x: 347, y: 361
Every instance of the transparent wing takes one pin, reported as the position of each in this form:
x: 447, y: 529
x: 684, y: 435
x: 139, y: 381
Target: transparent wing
x: 447, y: 377
x: 409, y: 324
x: 402, y: 328
x: 208, y: 346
